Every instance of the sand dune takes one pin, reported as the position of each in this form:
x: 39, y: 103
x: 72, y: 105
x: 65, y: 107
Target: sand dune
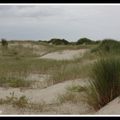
x: 36, y: 95
x: 48, y: 95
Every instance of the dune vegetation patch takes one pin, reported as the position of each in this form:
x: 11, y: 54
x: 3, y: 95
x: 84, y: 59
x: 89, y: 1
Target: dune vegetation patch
x: 105, y: 83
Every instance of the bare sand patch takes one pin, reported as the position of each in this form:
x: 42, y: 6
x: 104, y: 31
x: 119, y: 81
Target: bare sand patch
x: 66, y: 54
x: 48, y: 95
x: 36, y: 95
x: 74, y: 109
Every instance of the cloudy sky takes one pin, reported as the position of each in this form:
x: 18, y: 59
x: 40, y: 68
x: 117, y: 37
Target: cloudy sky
x: 71, y: 22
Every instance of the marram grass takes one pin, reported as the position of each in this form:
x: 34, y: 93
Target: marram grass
x: 105, y: 83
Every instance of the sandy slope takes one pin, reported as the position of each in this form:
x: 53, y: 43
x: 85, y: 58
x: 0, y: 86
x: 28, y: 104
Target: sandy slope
x: 36, y: 95
x: 66, y: 54
x: 112, y: 108
x: 48, y: 95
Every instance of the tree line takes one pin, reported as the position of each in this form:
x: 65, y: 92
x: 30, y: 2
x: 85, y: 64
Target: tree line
x: 58, y: 41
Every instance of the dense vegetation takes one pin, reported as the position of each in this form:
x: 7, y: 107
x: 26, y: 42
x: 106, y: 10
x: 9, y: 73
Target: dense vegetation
x: 84, y: 41
x: 108, y: 46
x: 56, y: 41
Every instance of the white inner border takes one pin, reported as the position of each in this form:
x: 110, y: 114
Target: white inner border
x: 63, y: 4
x: 88, y: 4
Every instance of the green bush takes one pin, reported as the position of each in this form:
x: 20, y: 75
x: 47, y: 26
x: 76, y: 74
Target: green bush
x: 57, y: 41
x: 84, y: 41
x: 4, y: 42
x: 105, y: 83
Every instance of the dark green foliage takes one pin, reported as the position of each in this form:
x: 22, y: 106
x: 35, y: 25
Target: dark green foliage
x: 42, y: 41
x: 84, y: 41
x: 97, y: 42
x: 57, y: 41
x: 4, y: 42
x: 109, y: 44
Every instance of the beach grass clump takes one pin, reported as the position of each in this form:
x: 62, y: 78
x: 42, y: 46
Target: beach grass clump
x: 66, y: 72
x: 105, y: 83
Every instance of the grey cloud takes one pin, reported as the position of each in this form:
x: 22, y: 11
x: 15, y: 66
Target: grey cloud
x: 28, y: 11
x: 70, y: 22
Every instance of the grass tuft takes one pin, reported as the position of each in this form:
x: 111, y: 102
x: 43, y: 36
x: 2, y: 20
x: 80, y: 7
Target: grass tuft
x: 105, y: 83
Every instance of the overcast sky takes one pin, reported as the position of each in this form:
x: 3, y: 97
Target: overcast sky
x: 71, y: 22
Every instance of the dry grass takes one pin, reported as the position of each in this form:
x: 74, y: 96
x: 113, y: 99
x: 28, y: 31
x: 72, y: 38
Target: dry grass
x: 14, y: 69
x: 73, y: 94
x: 23, y: 103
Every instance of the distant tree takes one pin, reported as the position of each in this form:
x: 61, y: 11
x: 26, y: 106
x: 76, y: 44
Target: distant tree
x: 57, y: 41
x: 84, y: 41
x: 42, y: 41
x: 97, y: 41
x: 4, y: 43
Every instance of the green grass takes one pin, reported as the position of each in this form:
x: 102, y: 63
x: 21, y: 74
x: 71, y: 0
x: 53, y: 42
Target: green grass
x: 59, y: 70
x: 105, y: 83
x: 18, y: 51
x: 71, y: 71
x: 19, y: 62
x: 107, y: 47
x: 14, y: 82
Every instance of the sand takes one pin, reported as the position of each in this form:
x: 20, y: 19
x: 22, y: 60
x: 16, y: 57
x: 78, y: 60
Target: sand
x: 49, y: 95
x: 36, y: 95
x: 112, y: 108
x: 65, y: 55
